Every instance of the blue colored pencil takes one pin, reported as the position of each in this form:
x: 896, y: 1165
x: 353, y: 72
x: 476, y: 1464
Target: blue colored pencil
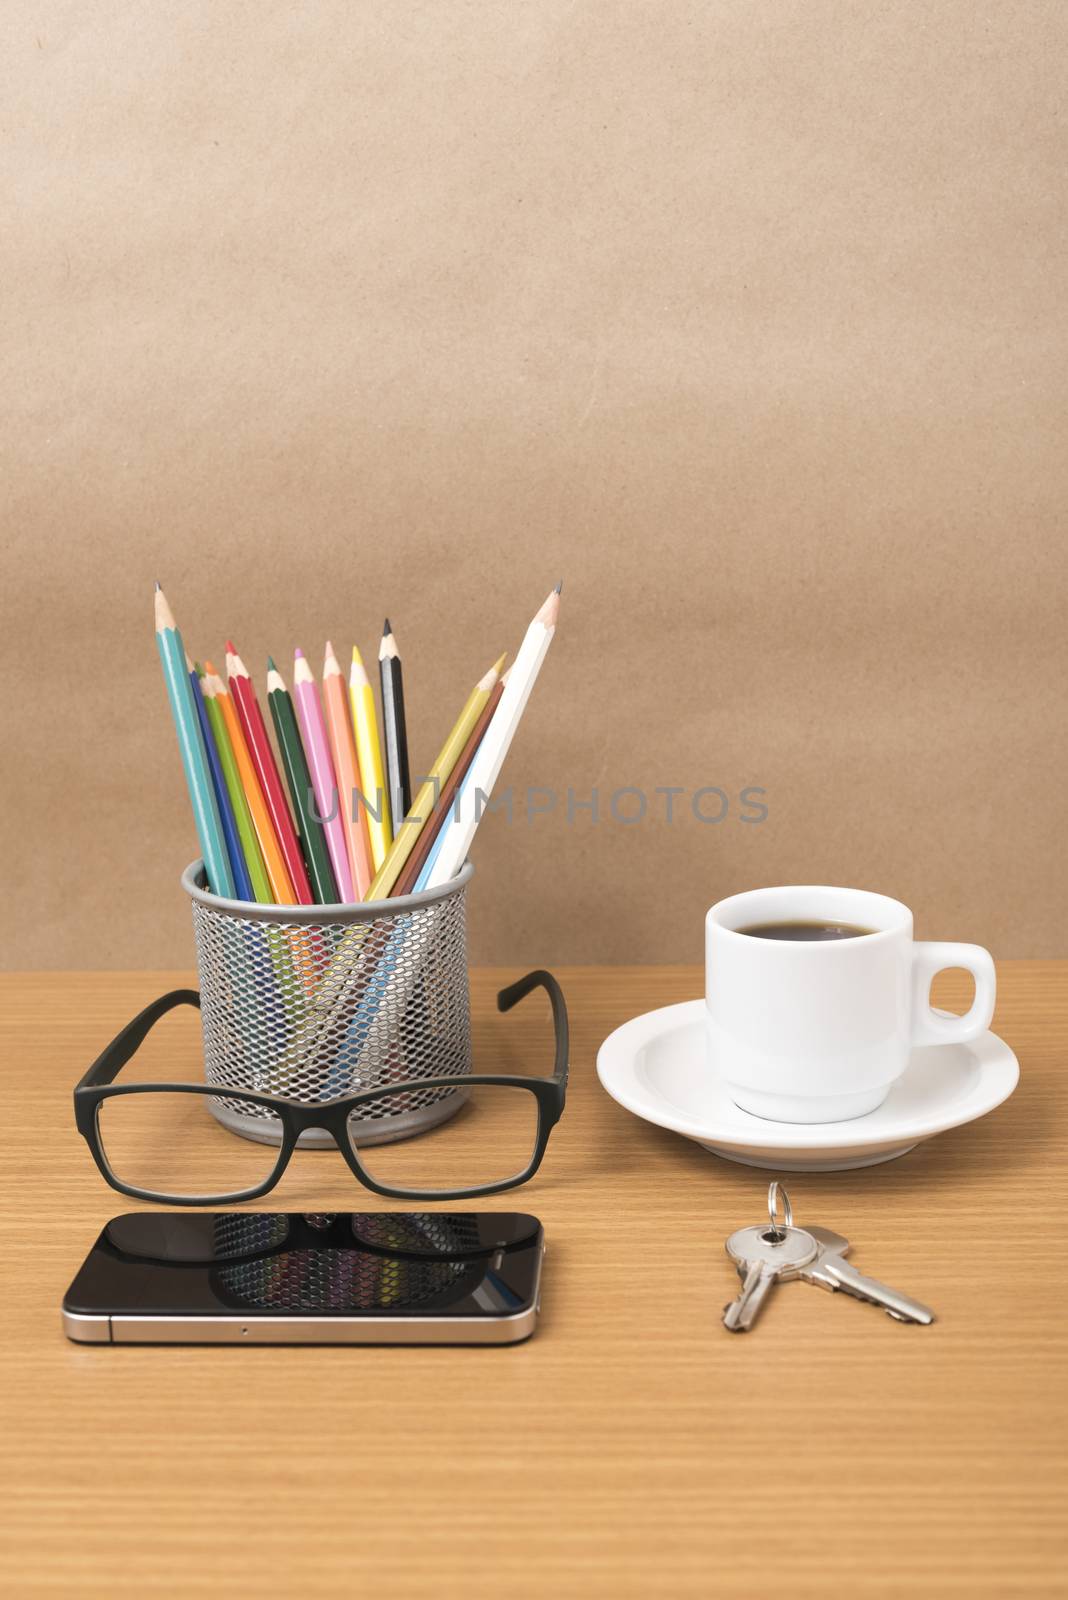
x: 194, y: 756
x: 242, y: 881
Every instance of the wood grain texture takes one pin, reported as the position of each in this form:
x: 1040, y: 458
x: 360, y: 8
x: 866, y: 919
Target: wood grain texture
x: 632, y: 1448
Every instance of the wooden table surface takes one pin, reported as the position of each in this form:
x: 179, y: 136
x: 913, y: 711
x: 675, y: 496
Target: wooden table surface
x: 632, y: 1448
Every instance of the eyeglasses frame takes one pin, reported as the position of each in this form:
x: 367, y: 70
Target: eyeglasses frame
x: 98, y: 1085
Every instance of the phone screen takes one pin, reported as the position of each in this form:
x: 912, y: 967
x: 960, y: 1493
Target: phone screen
x: 298, y: 1264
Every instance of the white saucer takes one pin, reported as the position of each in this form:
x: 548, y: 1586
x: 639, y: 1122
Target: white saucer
x: 655, y: 1066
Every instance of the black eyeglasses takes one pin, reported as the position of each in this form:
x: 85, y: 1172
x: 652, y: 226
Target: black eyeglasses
x: 167, y: 1141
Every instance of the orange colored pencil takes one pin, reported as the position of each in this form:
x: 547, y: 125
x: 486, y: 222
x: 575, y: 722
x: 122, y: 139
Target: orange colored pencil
x: 347, y: 772
x: 273, y: 859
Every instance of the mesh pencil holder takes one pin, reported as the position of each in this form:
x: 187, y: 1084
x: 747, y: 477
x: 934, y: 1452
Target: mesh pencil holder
x: 315, y: 1002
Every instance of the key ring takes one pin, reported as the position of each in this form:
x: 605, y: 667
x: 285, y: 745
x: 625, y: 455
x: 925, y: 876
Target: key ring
x: 777, y: 1193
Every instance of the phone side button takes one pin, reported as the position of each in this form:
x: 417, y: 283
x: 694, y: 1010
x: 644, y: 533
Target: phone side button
x: 84, y: 1329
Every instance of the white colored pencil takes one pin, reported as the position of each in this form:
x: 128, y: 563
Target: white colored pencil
x: 485, y: 769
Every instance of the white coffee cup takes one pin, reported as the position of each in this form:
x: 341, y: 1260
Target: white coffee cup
x: 819, y: 1031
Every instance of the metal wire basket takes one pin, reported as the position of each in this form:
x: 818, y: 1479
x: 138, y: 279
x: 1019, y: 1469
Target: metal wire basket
x: 314, y: 1002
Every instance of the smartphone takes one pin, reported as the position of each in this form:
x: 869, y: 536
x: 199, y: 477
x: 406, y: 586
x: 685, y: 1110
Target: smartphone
x: 279, y: 1277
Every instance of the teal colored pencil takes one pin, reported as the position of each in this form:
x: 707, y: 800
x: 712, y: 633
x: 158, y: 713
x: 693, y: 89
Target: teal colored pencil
x: 194, y: 756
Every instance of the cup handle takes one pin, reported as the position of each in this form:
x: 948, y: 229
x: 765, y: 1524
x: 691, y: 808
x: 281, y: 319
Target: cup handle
x: 929, y: 958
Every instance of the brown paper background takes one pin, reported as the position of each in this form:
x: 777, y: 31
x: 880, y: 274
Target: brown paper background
x: 746, y: 318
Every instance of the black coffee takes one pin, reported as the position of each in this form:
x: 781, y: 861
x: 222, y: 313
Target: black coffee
x: 812, y: 932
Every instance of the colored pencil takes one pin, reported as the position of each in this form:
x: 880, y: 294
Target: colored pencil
x: 328, y: 800
x: 288, y: 961
x: 430, y: 832
x: 242, y: 882
x: 404, y: 840
x: 298, y: 779
x: 194, y: 756
x: 369, y: 756
x: 394, y: 727
x: 464, y: 792
x: 347, y: 772
x: 486, y: 767
x: 250, y: 845
x: 259, y: 745
x: 273, y: 859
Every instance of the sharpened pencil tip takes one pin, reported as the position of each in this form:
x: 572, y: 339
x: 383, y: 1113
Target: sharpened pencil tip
x: 270, y: 664
x: 231, y: 647
x: 560, y: 587
x: 165, y: 622
x: 387, y: 626
x: 548, y: 612
x: 159, y: 586
x: 209, y: 669
x: 298, y: 653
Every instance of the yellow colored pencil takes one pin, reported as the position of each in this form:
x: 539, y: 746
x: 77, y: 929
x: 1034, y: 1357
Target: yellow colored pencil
x: 347, y: 772
x: 369, y: 756
x: 404, y: 839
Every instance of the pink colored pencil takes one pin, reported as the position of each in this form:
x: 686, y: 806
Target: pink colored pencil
x: 317, y: 750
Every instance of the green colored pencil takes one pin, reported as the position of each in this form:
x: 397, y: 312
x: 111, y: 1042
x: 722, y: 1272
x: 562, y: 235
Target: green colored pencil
x: 250, y: 845
x: 312, y: 837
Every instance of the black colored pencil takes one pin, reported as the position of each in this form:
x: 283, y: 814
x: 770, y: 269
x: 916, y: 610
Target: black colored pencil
x: 394, y: 729
x: 312, y: 837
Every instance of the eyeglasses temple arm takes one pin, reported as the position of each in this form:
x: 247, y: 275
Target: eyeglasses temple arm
x: 110, y: 1062
x: 519, y: 990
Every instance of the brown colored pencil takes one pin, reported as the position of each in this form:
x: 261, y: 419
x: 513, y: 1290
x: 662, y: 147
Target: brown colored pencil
x: 409, y: 877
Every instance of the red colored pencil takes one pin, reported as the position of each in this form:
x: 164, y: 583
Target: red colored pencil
x: 255, y: 731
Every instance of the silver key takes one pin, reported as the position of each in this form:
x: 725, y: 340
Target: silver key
x: 830, y: 1270
x: 763, y: 1256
